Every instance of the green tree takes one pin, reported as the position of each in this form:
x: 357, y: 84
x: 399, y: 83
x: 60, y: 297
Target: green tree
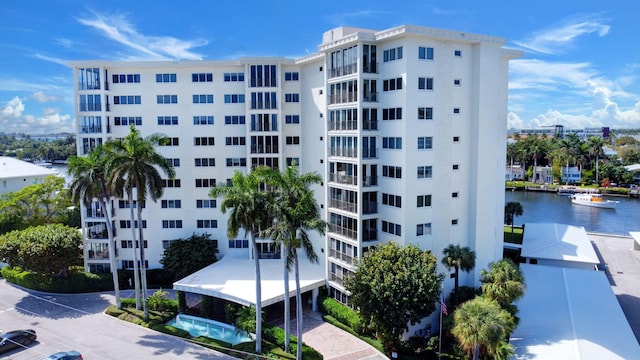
x: 133, y: 164
x: 248, y: 201
x: 459, y: 258
x: 503, y: 282
x: 90, y: 182
x: 594, y: 148
x: 393, y: 286
x: 480, y: 324
x: 184, y: 257
x: 296, y: 214
x: 45, y: 249
x: 511, y: 210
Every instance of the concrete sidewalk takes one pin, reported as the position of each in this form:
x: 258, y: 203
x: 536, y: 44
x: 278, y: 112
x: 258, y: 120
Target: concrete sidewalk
x: 623, y: 271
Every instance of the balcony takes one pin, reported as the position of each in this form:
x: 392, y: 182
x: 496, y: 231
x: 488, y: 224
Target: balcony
x: 370, y: 67
x: 343, y: 70
x: 369, y: 207
x: 343, y: 152
x: 336, y: 279
x: 343, y: 179
x: 95, y: 213
x: 370, y: 97
x: 348, y: 233
x: 370, y: 125
x: 343, y: 205
x: 348, y: 259
x: 343, y: 125
x: 368, y: 181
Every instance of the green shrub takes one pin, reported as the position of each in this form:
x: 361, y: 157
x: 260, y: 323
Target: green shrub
x: 275, y: 335
x: 75, y: 282
x: 128, y: 303
x: 167, y: 329
x: 342, y: 313
x: 160, y: 301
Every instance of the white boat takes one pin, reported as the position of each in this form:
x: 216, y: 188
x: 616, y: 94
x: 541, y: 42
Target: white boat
x: 593, y: 200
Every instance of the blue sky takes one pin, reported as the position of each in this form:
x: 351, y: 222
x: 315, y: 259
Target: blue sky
x: 581, y: 64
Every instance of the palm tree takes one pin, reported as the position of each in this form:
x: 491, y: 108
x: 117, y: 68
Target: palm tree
x: 296, y: 213
x: 459, y: 258
x: 594, y: 148
x: 512, y: 152
x: 133, y: 165
x: 503, y: 282
x: 89, y: 182
x: 511, y: 210
x: 248, y: 203
x: 481, y: 324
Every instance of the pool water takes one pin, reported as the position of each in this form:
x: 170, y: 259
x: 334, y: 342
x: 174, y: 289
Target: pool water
x: 197, y: 326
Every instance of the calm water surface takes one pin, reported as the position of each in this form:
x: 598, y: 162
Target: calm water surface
x: 542, y: 207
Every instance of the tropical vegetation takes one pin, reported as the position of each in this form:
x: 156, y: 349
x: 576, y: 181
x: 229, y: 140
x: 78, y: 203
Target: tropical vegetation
x: 459, y: 258
x: 186, y: 256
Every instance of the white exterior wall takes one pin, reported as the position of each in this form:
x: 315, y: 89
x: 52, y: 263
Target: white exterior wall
x: 479, y: 152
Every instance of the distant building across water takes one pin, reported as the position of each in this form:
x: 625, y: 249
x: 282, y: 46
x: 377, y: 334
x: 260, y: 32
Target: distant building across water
x: 560, y: 131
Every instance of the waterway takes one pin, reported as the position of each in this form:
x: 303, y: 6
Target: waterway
x: 543, y: 207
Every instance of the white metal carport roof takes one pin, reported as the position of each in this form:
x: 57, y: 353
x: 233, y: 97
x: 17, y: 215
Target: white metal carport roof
x: 558, y: 242
x: 569, y: 314
x: 233, y: 279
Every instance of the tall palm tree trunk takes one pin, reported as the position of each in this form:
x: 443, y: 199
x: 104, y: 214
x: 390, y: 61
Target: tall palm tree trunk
x: 287, y: 300
x: 112, y: 254
x: 256, y: 265
x: 298, y: 306
x: 143, y: 268
x: 136, y: 279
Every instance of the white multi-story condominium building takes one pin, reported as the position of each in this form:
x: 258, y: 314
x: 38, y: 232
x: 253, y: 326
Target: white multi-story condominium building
x: 407, y: 127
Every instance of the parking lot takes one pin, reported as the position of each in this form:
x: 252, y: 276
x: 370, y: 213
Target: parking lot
x: 77, y: 322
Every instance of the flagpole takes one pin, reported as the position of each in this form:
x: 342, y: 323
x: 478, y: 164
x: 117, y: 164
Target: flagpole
x: 440, y: 336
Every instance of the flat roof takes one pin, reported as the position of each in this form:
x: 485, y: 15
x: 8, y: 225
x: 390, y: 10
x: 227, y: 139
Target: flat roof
x: 233, y: 279
x: 569, y: 313
x: 558, y: 242
x: 13, y: 168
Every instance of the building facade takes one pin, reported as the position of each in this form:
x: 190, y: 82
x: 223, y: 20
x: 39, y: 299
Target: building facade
x: 406, y: 126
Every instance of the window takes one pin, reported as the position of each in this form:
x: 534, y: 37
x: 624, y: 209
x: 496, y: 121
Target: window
x: 425, y: 142
x: 126, y: 224
x: 124, y: 204
x: 263, y: 76
x: 204, y: 141
x: 205, y: 162
x: 126, y: 121
x: 167, y: 243
x: 233, y: 77
x: 263, y: 100
x: 207, y: 224
x: 264, y: 122
x: 236, y: 140
x: 233, y: 98
x: 169, y: 141
x: 454, y: 222
x: 167, y: 99
x: 165, y: 78
x: 293, y: 140
x: 457, y: 82
x: 392, y: 114
x: 454, y: 194
x: 457, y: 53
x: 456, y: 167
x: 205, y: 183
x: 392, y: 171
x: 456, y: 139
x: 171, y: 204
x: 292, y: 98
x: 425, y: 53
x: 423, y: 229
x: 172, y: 224
x: 236, y: 161
x: 174, y: 162
x: 425, y: 83
x: 291, y: 76
x: 202, y: 77
x: 292, y: 119
x: 203, y: 120
x: 171, y: 183
x: 392, y: 143
x: 391, y: 228
x: 456, y: 110
x: 238, y: 244
x: 425, y: 113
x: 423, y: 200
x: 167, y: 120
x: 234, y: 120
x: 392, y: 84
x: 125, y: 99
x: 291, y: 160
x: 206, y: 204
x: 392, y: 200
x: 88, y: 78
x: 128, y: 264
x: 125, y: 78
x: 203, y: 99
x: 392, y: 54
x: 424, y: 172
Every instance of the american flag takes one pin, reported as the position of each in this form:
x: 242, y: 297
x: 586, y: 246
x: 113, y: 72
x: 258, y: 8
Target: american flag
x: 443, y: 305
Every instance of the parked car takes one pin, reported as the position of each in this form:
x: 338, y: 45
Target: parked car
x: 65, y: 355
x: 16, y: 338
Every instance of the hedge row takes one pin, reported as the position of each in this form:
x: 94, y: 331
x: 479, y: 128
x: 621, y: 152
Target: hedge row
x: 75, y: 282
x: 341, y: 313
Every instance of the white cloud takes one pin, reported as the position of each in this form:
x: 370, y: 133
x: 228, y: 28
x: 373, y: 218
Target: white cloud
x: 119, y: 29
x: 41, y: 97
x: 13, y: 109
x: 13, y: 120
x: 51, y: 59
x: 545, y: 75
x: 559, y: 37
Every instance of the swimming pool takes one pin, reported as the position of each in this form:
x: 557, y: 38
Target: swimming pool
x: 197, y: 326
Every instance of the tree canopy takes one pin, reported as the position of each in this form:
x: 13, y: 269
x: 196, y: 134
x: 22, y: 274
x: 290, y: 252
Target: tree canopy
x: 47, y: 249
x: 186, y: 256
x: 392, y: 287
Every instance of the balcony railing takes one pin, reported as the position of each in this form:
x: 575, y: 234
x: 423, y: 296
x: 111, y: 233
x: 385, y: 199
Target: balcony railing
x: 343, y: 152
x: 370, y: 97
x: 343, y: 205
x: 370, y: 181
x: 338, y: 125
x: 370, y: 67
x: 343, y: 98
x: 343, y: 70
x: 349, y: 233
x: 343, y: 179
x: 370, y: 125
x: 348, y: 259
x: 369, y: 207
x: 336, y: 279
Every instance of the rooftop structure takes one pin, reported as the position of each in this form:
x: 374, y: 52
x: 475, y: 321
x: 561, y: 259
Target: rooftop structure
x: 16, y: 174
